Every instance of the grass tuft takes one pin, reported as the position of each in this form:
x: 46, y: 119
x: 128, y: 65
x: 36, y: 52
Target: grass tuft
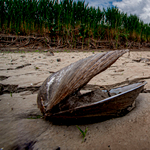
x: 82, y: 132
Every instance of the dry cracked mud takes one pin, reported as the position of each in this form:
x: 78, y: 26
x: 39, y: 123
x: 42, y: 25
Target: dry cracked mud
x: 21, y: 122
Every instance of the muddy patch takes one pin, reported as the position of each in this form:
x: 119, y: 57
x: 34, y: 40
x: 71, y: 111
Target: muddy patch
x: 3, y: 78
x: 7, y: 88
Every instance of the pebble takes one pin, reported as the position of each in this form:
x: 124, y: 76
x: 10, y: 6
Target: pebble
x: 58, y: 148
x: 120, y: 70
x: 58, y: 60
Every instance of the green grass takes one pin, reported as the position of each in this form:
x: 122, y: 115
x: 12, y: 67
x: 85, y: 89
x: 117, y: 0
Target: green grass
x: 36, y: 51
x: 82, y: 132
x: 66, y: 50
x: 36, y: 68
x: 35, y: 117
x: 70, y: 21
x: 10, y: 94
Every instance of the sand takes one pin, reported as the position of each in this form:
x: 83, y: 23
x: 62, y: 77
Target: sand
x: 21, y: 125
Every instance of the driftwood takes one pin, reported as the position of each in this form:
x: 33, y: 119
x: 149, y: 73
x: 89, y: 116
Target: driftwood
x: 60, y: 95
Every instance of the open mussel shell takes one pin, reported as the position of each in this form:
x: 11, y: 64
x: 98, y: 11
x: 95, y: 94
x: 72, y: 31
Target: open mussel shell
x: 121, y: 102
x: 59, y: 94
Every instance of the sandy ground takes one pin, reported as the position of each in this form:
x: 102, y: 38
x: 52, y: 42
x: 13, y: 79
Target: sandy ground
x: 22, y: 128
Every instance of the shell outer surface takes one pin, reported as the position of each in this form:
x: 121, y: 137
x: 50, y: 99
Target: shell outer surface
x: 111, y: 106
x: 70, y: 79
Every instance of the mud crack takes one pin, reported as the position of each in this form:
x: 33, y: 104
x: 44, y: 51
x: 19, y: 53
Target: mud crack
x: 19, y: 67
x: 7, y: 88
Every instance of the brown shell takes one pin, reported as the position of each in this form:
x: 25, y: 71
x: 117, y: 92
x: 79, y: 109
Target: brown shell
x: 121, y: 101
x: 71, y: 78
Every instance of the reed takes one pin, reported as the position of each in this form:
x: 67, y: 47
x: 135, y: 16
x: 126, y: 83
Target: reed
x: 69, y: 20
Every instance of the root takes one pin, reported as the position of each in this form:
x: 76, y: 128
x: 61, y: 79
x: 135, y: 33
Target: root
x: 36, y: 42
